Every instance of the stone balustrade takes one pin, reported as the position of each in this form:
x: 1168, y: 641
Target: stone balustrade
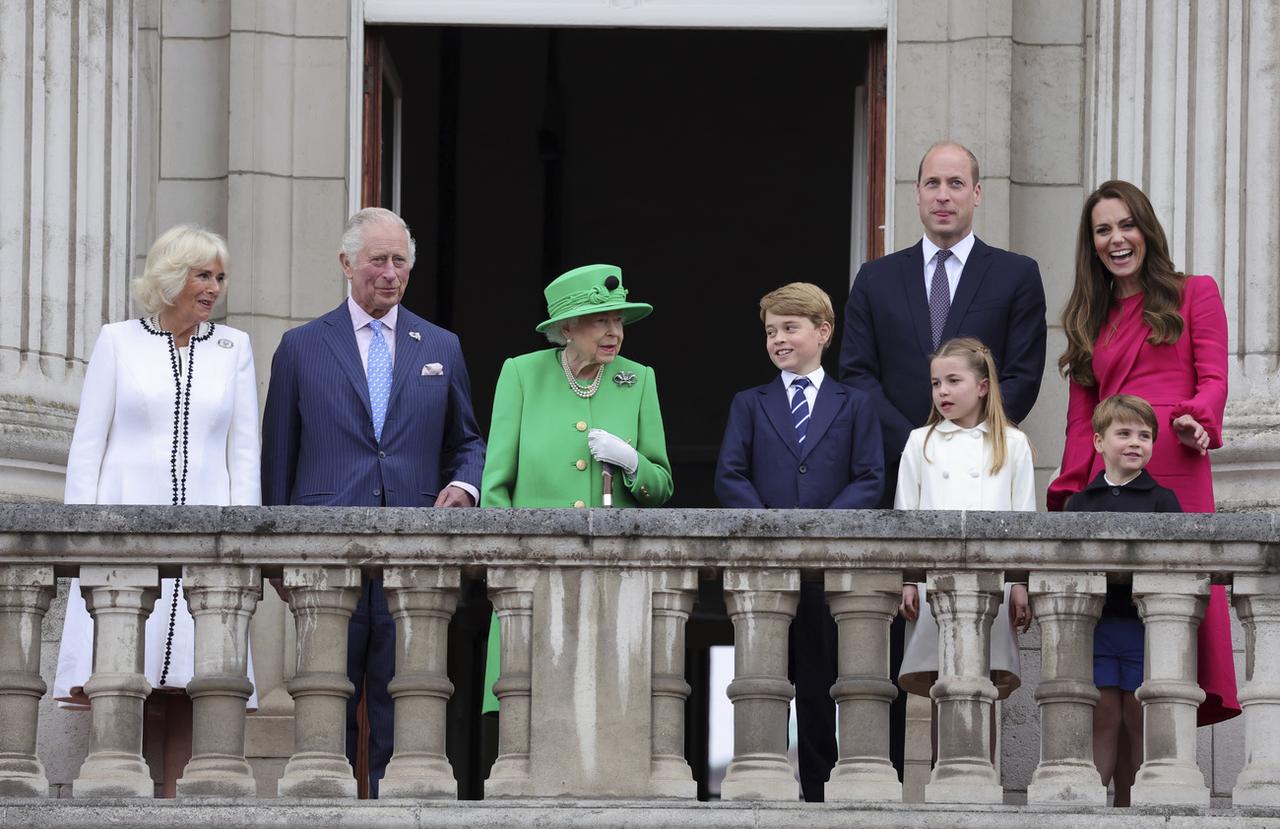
x: 592, y: 607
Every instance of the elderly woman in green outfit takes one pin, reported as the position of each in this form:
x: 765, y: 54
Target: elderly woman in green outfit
x: 561, y: 414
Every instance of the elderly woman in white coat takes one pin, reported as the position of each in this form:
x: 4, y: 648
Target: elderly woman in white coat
x: 168, y: 415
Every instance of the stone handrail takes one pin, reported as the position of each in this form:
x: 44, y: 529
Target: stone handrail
x: 593, y: 606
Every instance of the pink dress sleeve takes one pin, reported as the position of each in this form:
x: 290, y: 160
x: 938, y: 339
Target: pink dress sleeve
x: 1206, y: 325
x: 1077, y: 454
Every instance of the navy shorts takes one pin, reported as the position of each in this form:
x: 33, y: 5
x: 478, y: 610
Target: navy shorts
x: 1117, y: 653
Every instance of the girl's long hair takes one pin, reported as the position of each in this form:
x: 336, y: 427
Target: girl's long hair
x: 1093, y: 295
x: 978, y: 359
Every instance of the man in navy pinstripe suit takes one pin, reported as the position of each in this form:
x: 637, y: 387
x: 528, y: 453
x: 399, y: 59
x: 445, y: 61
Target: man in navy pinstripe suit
x: 370, y: 405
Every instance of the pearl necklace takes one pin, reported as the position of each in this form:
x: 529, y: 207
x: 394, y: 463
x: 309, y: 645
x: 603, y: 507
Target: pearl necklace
x: 582, y: 391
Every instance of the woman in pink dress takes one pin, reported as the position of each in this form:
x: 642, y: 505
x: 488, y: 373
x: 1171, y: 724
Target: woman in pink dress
x: 1136, y: 325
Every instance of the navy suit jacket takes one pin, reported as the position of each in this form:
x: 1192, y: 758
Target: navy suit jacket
x: 318, y: 446
x: 887, y: 338
x: 761, y: 465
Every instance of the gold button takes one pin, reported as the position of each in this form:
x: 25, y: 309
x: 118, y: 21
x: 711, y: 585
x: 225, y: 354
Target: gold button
x: 581, y: 464
x: 579, y: 504
x: 582, y: 425
x: 644, y: 490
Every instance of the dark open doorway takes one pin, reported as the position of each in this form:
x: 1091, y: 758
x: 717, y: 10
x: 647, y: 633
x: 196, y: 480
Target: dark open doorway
x: 711, y: 165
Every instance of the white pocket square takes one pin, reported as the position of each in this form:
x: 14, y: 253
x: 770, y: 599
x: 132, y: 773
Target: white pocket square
x: 432, y: 369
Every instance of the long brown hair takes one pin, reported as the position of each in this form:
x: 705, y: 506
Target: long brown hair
x: 978, y: 359
x: 1093, y: 295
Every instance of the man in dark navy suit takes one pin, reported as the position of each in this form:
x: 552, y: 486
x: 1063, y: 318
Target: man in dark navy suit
x: 370, y: 405
x: 949, y: 284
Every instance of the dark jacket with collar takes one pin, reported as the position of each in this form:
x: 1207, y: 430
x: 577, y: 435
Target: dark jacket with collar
x: 1142, y: 494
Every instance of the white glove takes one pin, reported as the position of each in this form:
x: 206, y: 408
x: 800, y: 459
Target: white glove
x: 608, y: 448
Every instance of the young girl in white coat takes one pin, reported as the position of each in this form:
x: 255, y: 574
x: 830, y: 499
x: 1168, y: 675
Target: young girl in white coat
x: 968, y: 457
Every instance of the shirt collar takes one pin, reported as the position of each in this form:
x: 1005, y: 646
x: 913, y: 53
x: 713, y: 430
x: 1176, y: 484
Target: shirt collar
x: 360, y: 318
x: 951, y: 426
x: 960, y: 250
x: 1143, y: 481
x: 815, y: 377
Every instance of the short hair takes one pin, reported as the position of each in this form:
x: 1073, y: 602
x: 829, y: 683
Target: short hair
x: 800, y: 299
x: 178, y: 249
x: 946, y: 142
x: 1125, y: 408
x: 353, y: 231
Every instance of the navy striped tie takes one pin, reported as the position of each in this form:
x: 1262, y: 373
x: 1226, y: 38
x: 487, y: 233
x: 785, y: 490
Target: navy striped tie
x: 800, y: 408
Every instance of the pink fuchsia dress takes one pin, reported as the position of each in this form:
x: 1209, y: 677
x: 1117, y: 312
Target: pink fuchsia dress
x: 1186, y: 377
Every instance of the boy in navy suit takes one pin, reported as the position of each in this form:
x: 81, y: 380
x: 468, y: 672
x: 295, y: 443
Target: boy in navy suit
x: 803, y: 440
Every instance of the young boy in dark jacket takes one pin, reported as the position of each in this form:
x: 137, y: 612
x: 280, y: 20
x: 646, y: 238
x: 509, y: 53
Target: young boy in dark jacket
x: 1124, y: 430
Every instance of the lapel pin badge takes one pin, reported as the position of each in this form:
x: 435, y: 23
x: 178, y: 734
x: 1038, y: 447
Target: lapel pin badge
x: 415, y: 335
x: 432, y: 370
x: 625, y: 378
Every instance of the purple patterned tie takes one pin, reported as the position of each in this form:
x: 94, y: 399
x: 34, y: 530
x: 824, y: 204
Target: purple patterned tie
x: 939, y: 297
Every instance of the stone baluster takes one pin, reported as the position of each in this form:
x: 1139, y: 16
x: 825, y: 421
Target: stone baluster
x: 322, y: 600
x: 761, y: 604
x: 863, y: 604
x: 422, y: 600
x: 222, y: 600
x: 119, y: 599
x: 964, y: 605
x: 1257, y: 600
x: 1067, y: 606
x: 673, y: 595
x: 1171, y: 606
x: 25, y: 593
x: 511, y: 590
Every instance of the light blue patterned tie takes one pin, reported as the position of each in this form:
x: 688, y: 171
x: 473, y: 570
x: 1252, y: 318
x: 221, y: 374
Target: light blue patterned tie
x: 379, y: 373
x: 800, y: 408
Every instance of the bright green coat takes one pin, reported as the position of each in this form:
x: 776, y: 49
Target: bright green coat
x: 537, y: 453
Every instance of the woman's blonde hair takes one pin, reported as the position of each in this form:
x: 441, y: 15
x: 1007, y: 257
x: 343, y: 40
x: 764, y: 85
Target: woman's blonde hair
x: 1093, y: 295
x: 977, y: 358
x: 178, y: 249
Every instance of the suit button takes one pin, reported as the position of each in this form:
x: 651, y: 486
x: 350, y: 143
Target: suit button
x: 803, y: 469
x: 1115, y: 490
x: 581, y: 426
x: 382, y: 454
x: 377, y: 492
x: 579, y: 504
x: 581, y: 464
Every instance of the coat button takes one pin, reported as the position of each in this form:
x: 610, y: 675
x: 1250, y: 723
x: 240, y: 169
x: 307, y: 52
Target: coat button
x: 973, y: 473
x: 644, y: 490
x: 377, y: 492
x: 975, y: 434
x: 946, y: 474
x: 581, y: 464
x: 803, y: 469
x: 1115, y: 490
x: 948, y: 435
x: 579, y: 504
x: 581, y: 426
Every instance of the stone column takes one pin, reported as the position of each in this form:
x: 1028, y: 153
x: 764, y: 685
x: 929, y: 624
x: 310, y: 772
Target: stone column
x: 863, y: 604
x: 673, y: 595
x: 422, y: 600
x: 761, y: 604
x: 1067, y: 605
x: 1171, y: 606
x: 964, y: 605
x: 222, y: 600
x: 66, y: 117
x: 119, y: 599
x: 322, y: 600
x: 511, y: 590
x: 1257, y: 600
x: 25, y: 593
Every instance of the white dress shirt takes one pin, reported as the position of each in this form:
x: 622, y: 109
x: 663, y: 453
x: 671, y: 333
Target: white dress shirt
x: 810, y: 393
x: 955, y: 263
x: 360, y: 320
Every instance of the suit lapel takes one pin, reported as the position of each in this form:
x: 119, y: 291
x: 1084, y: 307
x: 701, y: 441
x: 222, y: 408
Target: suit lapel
x: 912, y: 279
x: 407, y: 355
x: 831, y: 399
x: 340, y: 337
x: 776, y: 408
x: 975, y: 270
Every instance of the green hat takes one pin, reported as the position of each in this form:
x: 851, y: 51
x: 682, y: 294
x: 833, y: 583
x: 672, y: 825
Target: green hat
x: 591, y: 289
